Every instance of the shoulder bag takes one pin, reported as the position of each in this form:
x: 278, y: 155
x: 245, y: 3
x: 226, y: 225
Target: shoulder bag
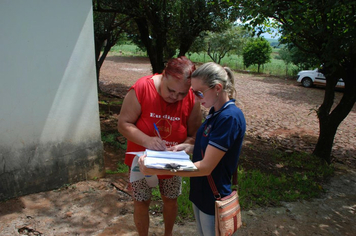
x: 227, y: 210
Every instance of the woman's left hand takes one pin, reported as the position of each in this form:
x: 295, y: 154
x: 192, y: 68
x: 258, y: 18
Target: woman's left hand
x: 188, y: 148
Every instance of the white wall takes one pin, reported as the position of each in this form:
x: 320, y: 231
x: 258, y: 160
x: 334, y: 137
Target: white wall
x: 49, y: 115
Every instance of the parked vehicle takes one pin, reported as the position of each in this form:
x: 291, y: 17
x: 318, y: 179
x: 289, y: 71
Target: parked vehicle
x: 310, y: 78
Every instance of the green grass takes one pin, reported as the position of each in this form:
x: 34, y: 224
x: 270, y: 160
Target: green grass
x: 127, y: 50
x: 111, y: 138
x: 276, y: 67
x: 185, y: 209
x: 121, y: 168
x: 112, y: 103
x: 298, y: 176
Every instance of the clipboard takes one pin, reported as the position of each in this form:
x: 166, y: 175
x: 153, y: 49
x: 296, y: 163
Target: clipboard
x: 167, y: 160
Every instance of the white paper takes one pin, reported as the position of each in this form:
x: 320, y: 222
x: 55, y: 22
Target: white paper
x: 136, y: 174
x: 167, y: 154
x: 135, y: 171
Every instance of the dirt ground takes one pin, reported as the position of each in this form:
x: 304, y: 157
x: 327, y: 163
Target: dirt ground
x: 278, y: 113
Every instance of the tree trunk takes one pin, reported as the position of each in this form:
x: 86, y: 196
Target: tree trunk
x: 326, y: 138
x: 329, y: 122
x: 154, y: 52
x: 185, y: 44
x: 98, y: 46
x: 107, y: 43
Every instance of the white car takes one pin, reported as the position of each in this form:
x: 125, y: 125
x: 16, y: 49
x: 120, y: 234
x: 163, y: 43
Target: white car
x: 309, y: 78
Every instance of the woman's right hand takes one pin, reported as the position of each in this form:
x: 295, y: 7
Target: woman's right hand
x: 155, y: 143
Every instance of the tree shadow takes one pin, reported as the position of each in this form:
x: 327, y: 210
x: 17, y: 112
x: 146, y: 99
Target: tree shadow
x: 259, y: 153
x: 128, y: 60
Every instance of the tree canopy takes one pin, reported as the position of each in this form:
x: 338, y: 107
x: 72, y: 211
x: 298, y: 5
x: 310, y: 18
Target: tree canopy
x: 163, y: 27
x: 324, y: 29
x: 218, y: 44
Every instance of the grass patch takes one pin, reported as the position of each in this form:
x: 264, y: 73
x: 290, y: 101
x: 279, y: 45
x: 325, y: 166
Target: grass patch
x: 111, y: 139
x: 127, y: 50
x: 121, y: 168
x: 112, y: 103
x: 296, y: 176
x: 185, y: 209
x: 276, y: 67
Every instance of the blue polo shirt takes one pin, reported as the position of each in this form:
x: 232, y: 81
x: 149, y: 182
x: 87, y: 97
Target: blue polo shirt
x: 223, y: 129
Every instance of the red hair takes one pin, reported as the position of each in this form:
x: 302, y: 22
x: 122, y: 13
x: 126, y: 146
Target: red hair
x: 180, y: 67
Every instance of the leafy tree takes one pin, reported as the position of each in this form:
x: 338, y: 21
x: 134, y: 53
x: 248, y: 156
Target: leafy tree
x: 197, y: 16
x: 286, y: 56
x: 325, y: 30
x: 218, y: 44
x: 108, y: 30
x: 165, y: 26
x: 291, y: 54
x: 257, y: 52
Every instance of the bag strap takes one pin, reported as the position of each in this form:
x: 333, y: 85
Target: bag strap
x: 212, y: 183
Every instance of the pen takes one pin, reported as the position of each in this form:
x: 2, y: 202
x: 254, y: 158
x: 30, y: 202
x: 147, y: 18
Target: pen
x: 154, y: 124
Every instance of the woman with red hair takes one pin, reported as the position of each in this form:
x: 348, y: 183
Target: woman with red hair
x: 165, y: 101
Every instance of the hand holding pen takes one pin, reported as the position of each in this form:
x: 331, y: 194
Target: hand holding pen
x: 154, y: 124
x: 156, y: 143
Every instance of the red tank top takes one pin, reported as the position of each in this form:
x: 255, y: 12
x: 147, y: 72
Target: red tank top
x: 171, y: 118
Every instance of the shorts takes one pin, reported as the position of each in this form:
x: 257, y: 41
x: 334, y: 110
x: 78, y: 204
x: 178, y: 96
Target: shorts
x: 170, y: 188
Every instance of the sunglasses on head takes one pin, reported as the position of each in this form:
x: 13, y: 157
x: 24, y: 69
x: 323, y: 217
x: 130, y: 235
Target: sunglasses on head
x: 200, y: 94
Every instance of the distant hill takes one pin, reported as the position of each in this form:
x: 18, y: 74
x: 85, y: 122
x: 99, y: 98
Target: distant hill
x: 274, y: 42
